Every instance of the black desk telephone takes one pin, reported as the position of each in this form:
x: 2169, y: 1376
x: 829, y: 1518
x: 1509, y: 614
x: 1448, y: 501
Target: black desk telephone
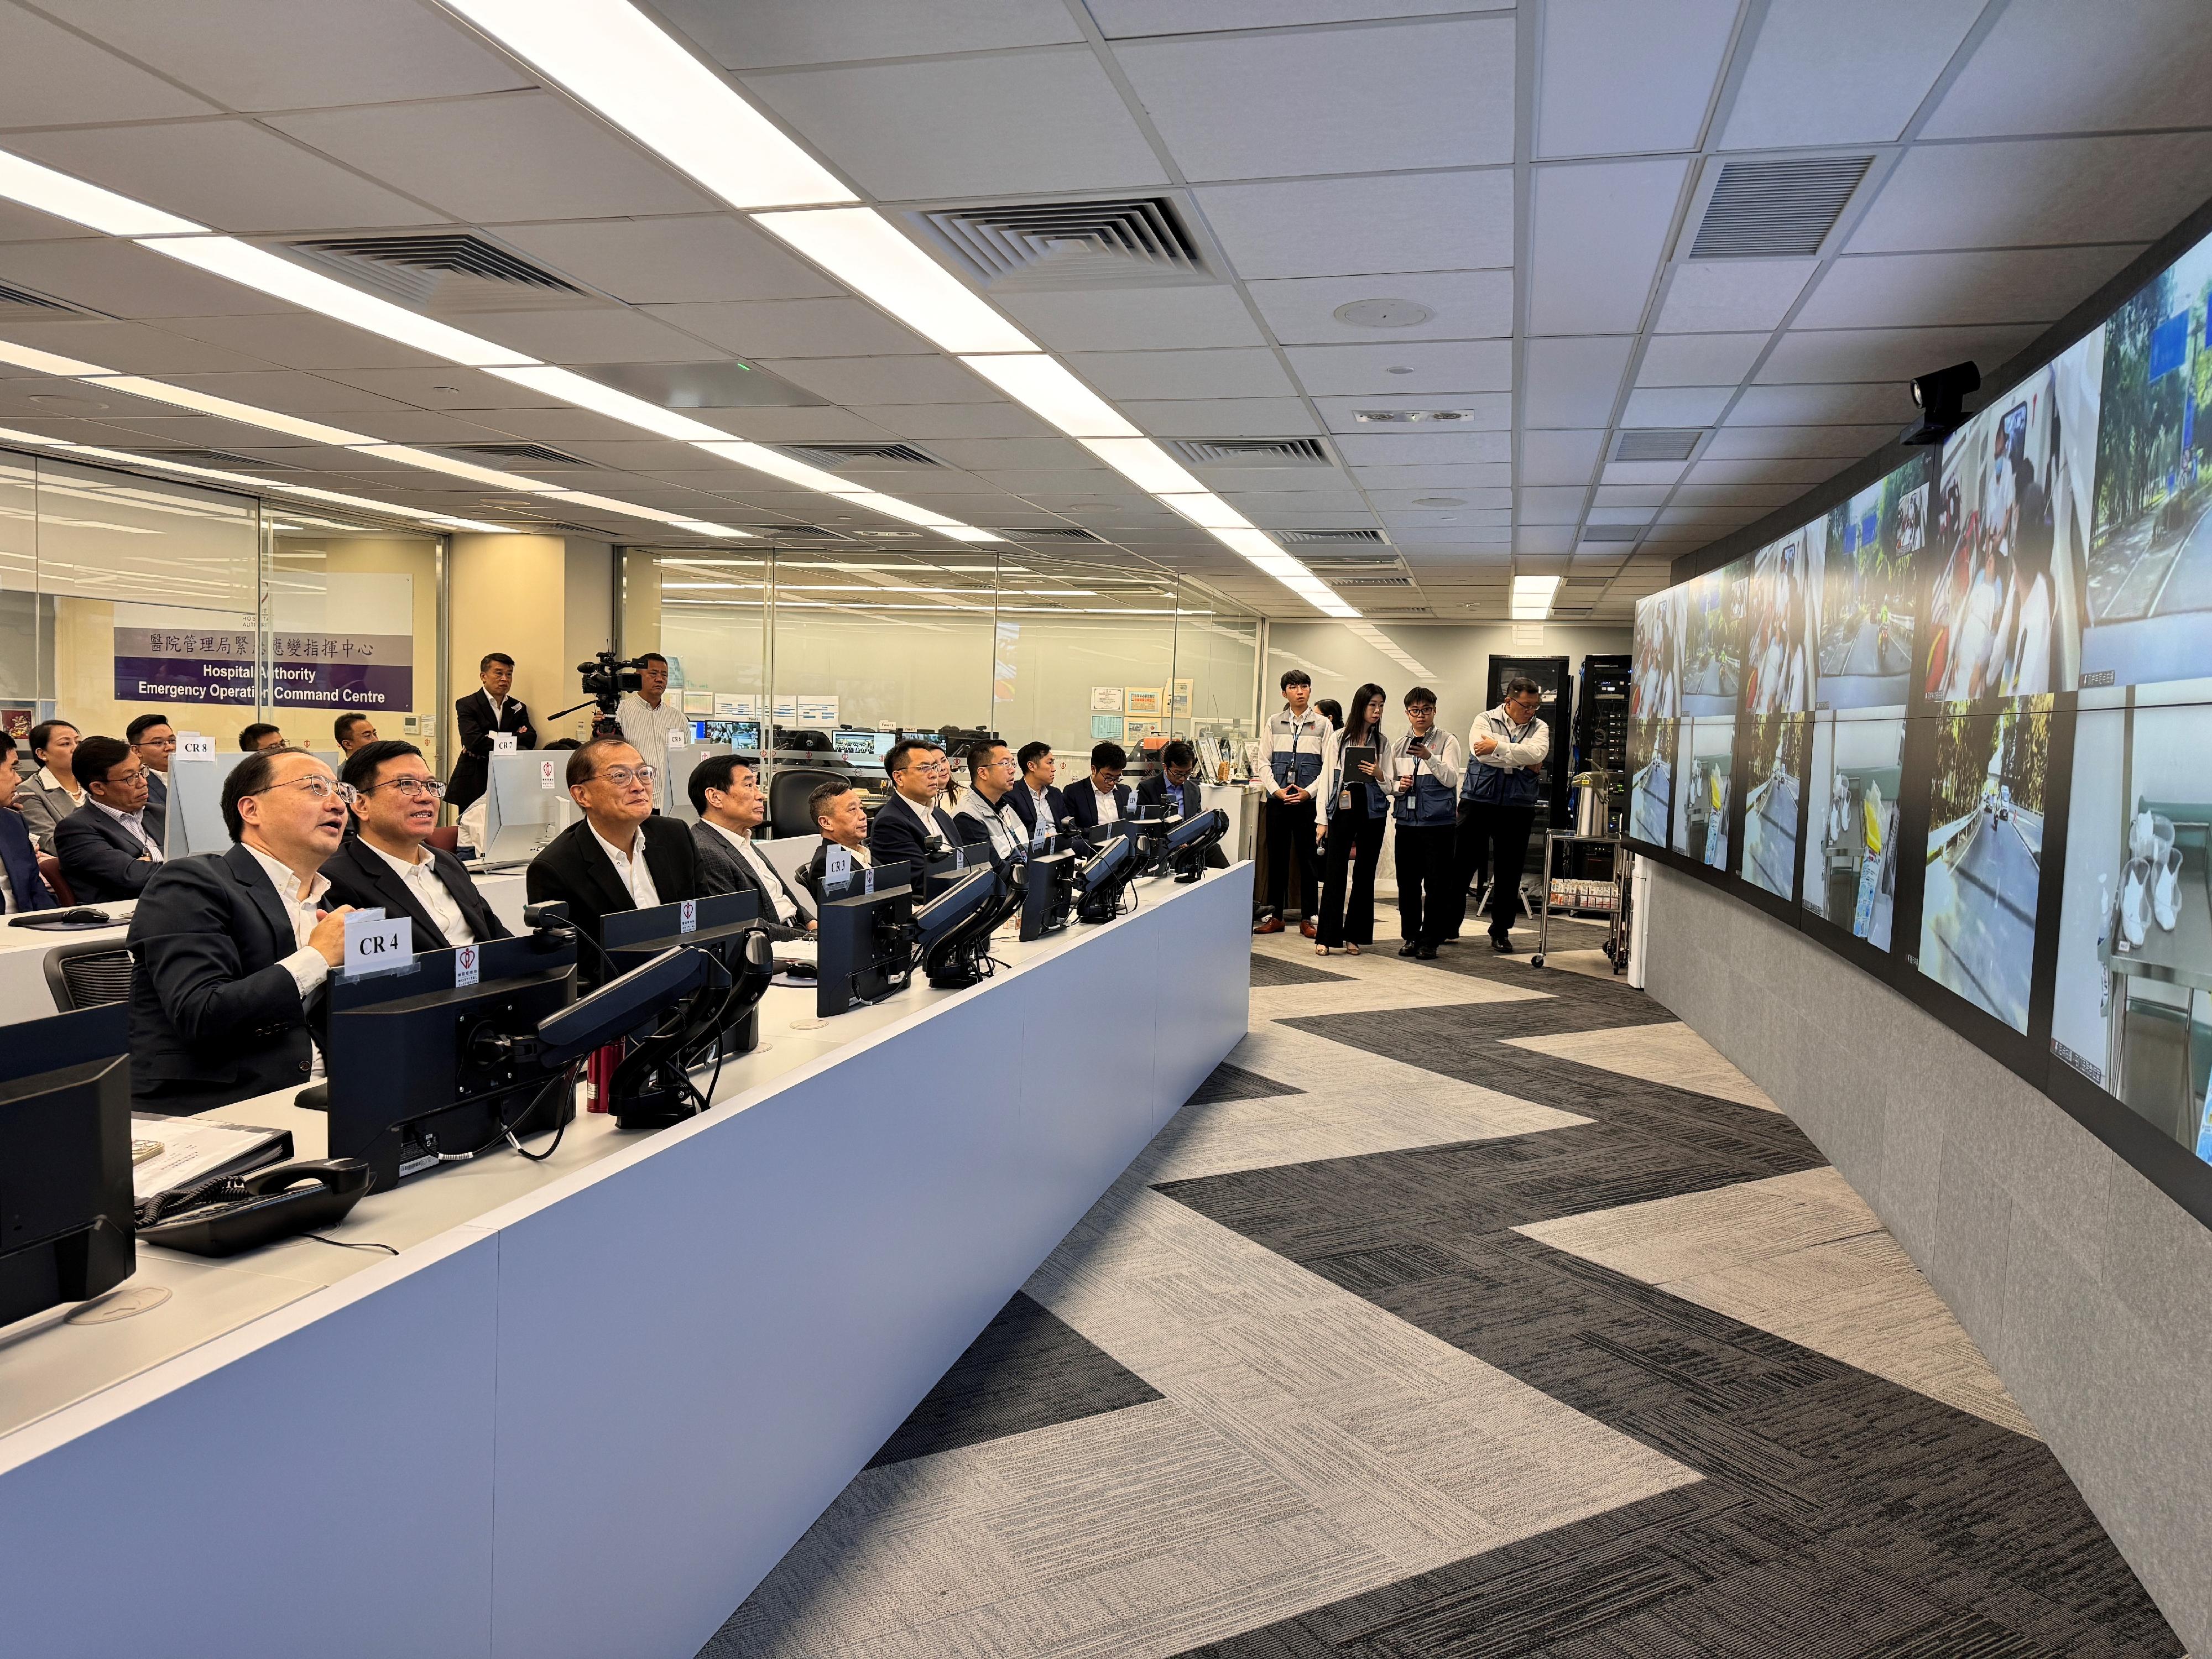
x: 243, y: 1213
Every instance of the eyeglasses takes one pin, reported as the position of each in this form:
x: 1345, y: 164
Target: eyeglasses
x: 315, y: 789
x: 155, y: 743
x: 622, y: 776
x: 414, y: 788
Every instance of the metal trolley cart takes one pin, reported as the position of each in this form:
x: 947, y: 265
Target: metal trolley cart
x: 1586, y: 899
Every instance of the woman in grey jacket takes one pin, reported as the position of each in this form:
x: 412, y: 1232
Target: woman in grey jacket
x: 52, y: 793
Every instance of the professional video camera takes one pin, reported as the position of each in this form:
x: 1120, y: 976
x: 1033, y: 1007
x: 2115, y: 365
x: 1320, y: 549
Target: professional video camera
x: 605, y: 677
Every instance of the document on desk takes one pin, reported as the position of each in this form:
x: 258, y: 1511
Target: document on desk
x: 192, y: 1150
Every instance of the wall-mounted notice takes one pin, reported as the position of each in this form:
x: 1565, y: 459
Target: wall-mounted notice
x: 1105, y: 699
x: 341, y: 640
x: 1106, y: 728
x: 735, y: 705
x: 1179, y: 705
x: 1142, y: 699
x: 819, y: 708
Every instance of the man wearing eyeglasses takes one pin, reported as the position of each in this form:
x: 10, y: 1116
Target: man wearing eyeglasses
x: 154, y: 741
x: 231, y: 952
x: 1504, y: 778
x: 106, y: 852
x: 390, y: 864
x: 621, y: 857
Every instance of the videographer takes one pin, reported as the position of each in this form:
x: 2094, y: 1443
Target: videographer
x: 481, y: 716
x: 648, y: 717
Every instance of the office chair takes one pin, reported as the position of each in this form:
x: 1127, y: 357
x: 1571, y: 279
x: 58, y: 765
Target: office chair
x: 786, y: 797
x: 50, y: 871
x: 88, y: 974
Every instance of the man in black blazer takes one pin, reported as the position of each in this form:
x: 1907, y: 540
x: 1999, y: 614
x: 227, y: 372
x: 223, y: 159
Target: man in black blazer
x: 1038, y: 788
x: 479, y: 717
x: 154, y: 741
x: 1174, y: 791
x: 835, y: 808
x: 389, y: 864
x: 906, y: 824
x: 1086, y: 801
x: 19, y: 860
x: 621, y: 857
x: 731, y: 806
x: 231, y: 950
x: 106, y: 851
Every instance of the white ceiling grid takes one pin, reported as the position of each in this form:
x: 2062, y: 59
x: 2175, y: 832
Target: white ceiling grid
x: 1528, y: 176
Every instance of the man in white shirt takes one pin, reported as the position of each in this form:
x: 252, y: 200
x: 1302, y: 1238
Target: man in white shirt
x: 983, y: 813
x: 390, y: 866
x: 106, y: 851
x: 648, y: 716
x: 154, y: 741
x: 620, y: 857
x: 731, y: 805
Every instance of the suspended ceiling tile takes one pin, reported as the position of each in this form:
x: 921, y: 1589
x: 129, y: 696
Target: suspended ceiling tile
x: 1599, y: 232
x: 49, y: 76
x: 1134, y: 319
x: 1775, y: 470
x: 1401, y: 501
x: 926, y: 423
x: 610, y: 335
x: 1351, y: 100
x: 1653, y: 494
x: 1381, y: 447
x: 290, y: 391
x: 1560, y: 458
x: 1761, y: 496
x: 1040, y: 120
x: 1246, y: 371
x: 1445, y: 369
x: 128, y: 348
x: 1641, y: 472
x: 1029, y: 454
x: 1887, y: 354
x: 1700, y: 359
x: 764, y: 33
x: 1625, y: 76
x: 2018, y: 285
x: 1396, y: 223
x: 1710, y: 514
x: 1797, y: 405
x: 2037, y: 192
x: 1552, y: 503
x: 2058, y: 66
x: 1620, y: 515
x: 1720, y: 295
x: 1469, y: 475
x: 519, y: 156
x: 852, y: 381
x: 1222, y: 417
x: 1754, y: 442
x: 1676, y: 406
x: 1463, y: 305
x: 298, y: 340
x: 255, y: 55
x: 794, y: 328
x: 1545, y: 539
x: 106, y: 274
x: 1573, y: 382
x: 701, y: 258
x: 1813, y: 80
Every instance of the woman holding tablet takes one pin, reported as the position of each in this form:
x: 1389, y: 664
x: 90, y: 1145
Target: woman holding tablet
x: 1352, y: 841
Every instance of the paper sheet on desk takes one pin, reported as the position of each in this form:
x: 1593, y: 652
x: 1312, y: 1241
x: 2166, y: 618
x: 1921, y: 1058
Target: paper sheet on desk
x: 192, y: 1149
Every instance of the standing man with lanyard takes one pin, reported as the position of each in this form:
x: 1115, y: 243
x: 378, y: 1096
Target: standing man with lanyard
x: 1301, y: 744
x: 650, y: 718
x: 1506, y: 753
x: 1424, y: 773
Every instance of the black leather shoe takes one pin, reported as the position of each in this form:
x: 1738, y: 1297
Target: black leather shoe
x: 1501, y: 942
x: 1409, y: 948
x: 1426, y: 953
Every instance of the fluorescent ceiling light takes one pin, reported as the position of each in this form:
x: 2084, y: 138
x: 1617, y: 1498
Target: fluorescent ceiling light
x: 871, y: 255
x: 245, y: 414
x: 45, y: 362
x: 482, y: 475
x: 777, y: 465
x: 612, y: 57
x: 86, y: 204
x: 1144, y: 464
x: 1532, y: 598
x: 965, y: 532
x: 1044, y: 384
x: 1333, y: 606
x: 256, y: 268
x: 631, y: 509
x: 573, y: 388
x: 1209, y: 511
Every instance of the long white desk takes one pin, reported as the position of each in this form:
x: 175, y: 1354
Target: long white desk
x: 591, y: 1402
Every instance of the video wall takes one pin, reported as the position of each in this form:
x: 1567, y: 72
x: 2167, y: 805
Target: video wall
x: 1959, y: 726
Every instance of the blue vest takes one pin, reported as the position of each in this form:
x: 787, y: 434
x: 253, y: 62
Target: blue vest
x: 1498, y: 786
x: 1428, y: 805
x: 1294, y: 756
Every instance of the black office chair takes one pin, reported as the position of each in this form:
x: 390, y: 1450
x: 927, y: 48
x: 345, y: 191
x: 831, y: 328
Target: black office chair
x: 786, y: 797
x: 89, y: 973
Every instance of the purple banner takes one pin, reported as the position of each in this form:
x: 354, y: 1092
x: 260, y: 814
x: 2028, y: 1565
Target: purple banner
x: 299, y: 684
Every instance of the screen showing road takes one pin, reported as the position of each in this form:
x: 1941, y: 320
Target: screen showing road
x: 1870, y: 591
x: 1850, y: 842
x: 1773, y: 799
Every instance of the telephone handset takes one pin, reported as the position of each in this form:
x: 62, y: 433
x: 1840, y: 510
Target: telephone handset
x: 243, y: 1213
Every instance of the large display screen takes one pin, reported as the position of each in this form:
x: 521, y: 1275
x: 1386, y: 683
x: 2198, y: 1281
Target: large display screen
x: 1870, y: 591
x: 1857, y: 772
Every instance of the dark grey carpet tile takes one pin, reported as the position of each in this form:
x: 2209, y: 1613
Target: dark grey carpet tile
x: 1273, y: 970
x: 1027, y: 1371
x: 1227, y: 1082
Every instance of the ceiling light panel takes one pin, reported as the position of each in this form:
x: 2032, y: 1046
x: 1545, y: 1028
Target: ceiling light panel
x: 875, y: 260
x: 86, y: 204
x: 571, y: 388
x: 482, y: 475
x: 1144, y: 464
x: 45, y: 362
x: 247, y: 413
x: 1044, y: 386
x: 614, y: 59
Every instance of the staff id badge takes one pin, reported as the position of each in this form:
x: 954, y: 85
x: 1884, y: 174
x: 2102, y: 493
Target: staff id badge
x: 1344, y: 801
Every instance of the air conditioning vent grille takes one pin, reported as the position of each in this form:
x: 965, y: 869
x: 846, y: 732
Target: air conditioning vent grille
x: 221, y: 459
x: 1657, y: 444
x: 454, y: 272
x: 544, y: 454
x: 1763, y: 209
x: 1250, y: 452
x: 1370, y: 581
x: 1053, y: 533
x: 837, y: 457
x: 23, y: 299
x: 1032, y: 245
x: 1326, y: 537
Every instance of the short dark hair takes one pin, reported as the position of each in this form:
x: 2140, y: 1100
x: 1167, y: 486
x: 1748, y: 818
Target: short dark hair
x: 1030, y: 753
x: 361, y: 766
x: 979, y: 757
x: 7, y: 742
x: 818, y: 800
x: 1178, y: 753
x: 563, y: 742
x: 713, y: 773
x: 1420, y: 694
x: 249, y: 737
x: 1108, y: 757
x: 645, y: 657
x: 95, y: 756
x: 1295, y: 676
x: 1521, y: 686
x: 139, y: 727
x: 584, y: 764
x: 250, y: 776
x: 43, y: 734
x: 344, y: 725
x: 900, y: 756
x: 491, y: 657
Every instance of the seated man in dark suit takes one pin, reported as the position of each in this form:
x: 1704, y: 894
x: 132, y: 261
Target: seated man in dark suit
x: 835, y: 808
x: 231, y: 950
x: 1174, y: 792
x: 730, y: 806
x: 480, y: 717
x: 906, y: 823
x: 1037, y: 793
x: 1102, y: 798
x: 389, y: 864
x: 621, y: 857
x: 106, y: 852
x: 21, y: 887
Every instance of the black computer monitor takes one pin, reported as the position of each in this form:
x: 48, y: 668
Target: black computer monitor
x: 720, y: 925
x: 423, y: 1069
x: 865, y: 932
x: 1048, y: 882
x: 953, y: 930
x: 1100, y: 879
x: 65, y: 1201
x: 950, y: 866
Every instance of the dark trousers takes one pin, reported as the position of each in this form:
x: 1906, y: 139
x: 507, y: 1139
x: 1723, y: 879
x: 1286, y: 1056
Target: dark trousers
x: 1497, y: 836
x: 1290, y: 842
x: 1348, y: 878
x: 1425, y: 882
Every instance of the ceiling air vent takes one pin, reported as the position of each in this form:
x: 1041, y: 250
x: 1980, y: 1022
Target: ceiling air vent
x: 1053, y: 533
x: 865, y: 457
x: 813, y: 532
x: 1763, y: 209
x: 453, y: 273
x: 1370, y: 581
x: 24, y: 299
x: 1250, y: 452
x: 1612, y: 532
x: 221, y: 459
x: 544, y: 454
x: 1029, y: 245
x: 1657, y: 444
x: 1327, y: 538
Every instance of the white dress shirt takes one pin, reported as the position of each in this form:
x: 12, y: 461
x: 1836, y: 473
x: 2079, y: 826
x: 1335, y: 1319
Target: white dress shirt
x: 8, y: 904
x: 779, y: 906
x: 1110, y: 802
x: 306, y: 965
x: 130, y: 821
x: 422, y: 879
x: 647, y: 727
x: 631, y: 871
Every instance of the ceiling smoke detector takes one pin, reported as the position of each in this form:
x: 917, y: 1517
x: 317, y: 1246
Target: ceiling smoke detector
x: 1382, y: 313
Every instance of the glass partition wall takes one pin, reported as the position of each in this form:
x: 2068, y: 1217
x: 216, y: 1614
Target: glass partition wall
x: 811, y: 640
